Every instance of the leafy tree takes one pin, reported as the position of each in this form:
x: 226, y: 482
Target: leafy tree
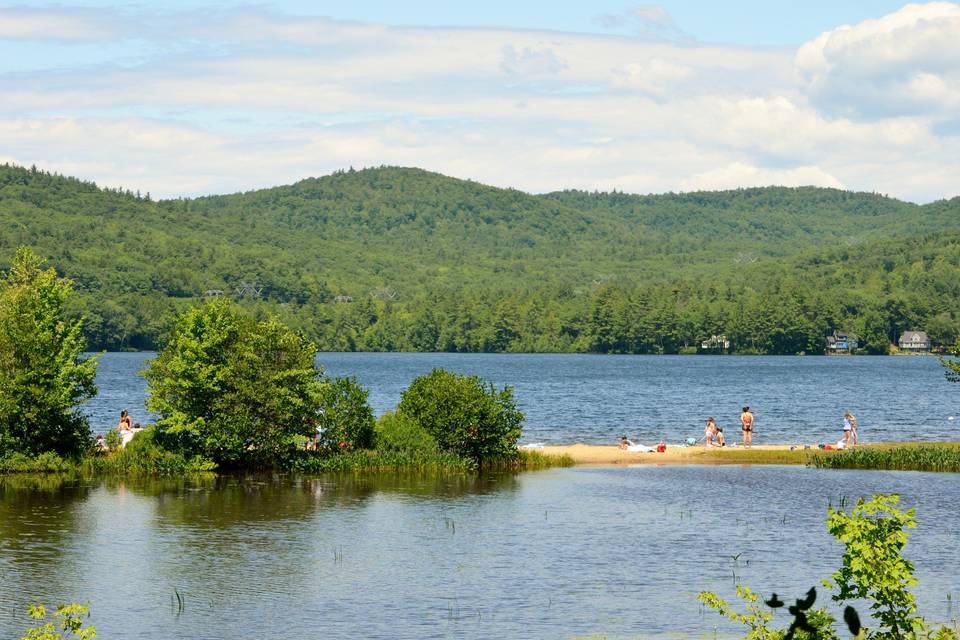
x: 232, y: 389
x: 43, y: 376
x: 952, y: 364
x: 346, y: 419
x: 465, y: 415
x: 399, y: 432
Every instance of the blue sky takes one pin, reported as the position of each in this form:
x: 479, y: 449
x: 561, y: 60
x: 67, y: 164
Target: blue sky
x: 674, y: 96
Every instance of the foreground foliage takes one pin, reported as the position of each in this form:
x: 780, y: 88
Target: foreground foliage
x: 874, y: 570
x: 43, y: 377
x: 66, y: 623
x: 233, y: 390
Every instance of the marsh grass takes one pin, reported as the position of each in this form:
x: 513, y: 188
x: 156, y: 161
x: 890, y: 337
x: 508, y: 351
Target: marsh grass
x: 728, y: 455
x: 941, y: 457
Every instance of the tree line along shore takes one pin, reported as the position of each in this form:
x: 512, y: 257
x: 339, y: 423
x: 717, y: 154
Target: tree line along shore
x: 235, y: 392
x: 396, y: 259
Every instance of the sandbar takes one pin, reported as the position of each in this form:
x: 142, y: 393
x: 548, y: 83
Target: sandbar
x: 590, y: 454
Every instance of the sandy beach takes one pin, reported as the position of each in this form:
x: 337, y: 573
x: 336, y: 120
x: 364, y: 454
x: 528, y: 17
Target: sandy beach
x: 584, y: 454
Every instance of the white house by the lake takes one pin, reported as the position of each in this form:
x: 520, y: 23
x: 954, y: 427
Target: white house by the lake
x: 914, y: 341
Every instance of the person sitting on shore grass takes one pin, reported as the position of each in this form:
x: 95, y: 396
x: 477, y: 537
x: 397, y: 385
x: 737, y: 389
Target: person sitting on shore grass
x: 721, y: 442
x: 126, y: 428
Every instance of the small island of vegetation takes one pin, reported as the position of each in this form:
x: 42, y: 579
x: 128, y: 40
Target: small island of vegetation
x: 232, y: 393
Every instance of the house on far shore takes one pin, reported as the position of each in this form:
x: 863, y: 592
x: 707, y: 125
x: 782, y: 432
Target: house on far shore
x: 342, y: 298
x: 715, y: 343
x: 842, y: 342
x: 916, y: 341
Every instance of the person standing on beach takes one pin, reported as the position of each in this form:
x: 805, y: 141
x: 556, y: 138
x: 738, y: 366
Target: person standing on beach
x: 746, y: 422
x: 709, y: 431
x: 850, y: 438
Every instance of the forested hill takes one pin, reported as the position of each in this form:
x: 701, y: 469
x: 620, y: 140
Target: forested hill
x: 422, y: 261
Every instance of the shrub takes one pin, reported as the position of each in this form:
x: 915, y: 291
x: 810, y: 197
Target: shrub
x: 398, y: 432
x: 43, y: 377
x: 346, y: 419
x: 465, y: 415
x: 112, y: 440
x: 239, y: 392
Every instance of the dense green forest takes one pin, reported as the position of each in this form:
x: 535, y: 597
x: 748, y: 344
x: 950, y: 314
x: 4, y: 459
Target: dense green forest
x: 403, y: 259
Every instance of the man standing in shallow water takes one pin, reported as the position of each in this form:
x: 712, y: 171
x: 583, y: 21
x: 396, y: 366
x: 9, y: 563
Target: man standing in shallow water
x: 746, y: 420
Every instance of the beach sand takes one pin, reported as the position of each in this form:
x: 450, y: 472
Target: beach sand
x: 584, y: 454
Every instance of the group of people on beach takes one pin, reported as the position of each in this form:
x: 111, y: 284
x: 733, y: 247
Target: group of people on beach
x: 713, y: 433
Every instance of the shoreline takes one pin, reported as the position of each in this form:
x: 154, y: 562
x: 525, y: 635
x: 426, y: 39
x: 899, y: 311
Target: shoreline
x: 612, y: 456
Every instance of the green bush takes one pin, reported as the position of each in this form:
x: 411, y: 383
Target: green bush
x: 236, y: 391
x: 43, y: 463
x: 398, y: 432
x: 112, y: 440
x: 465, y: 415
x: 346, y: 419
x: 43, y: 376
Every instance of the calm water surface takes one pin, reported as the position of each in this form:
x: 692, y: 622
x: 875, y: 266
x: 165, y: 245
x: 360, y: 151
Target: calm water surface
x: 619, y: 551
x: 594, y: 399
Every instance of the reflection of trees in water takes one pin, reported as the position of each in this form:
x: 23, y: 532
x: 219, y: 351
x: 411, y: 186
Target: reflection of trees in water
x: 38, y: 510
x: 39, y: 515
x: 224, y: 501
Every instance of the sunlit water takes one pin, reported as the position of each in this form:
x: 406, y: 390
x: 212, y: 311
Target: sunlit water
x: 552, y: 554
x: 595, y: 399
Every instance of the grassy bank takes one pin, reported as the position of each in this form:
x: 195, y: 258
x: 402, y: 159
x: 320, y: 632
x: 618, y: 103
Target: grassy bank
x: 134, y: 461
x: 921, y: 456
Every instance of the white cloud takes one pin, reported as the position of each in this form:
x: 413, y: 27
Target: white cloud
x: 904, y: 63
x: 247, y: 99
x: 738, y: 174
x: 21, y: 23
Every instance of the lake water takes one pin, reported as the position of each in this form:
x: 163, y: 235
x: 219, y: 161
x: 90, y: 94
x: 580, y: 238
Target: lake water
x: 595, y: 399
x: 551, y: 554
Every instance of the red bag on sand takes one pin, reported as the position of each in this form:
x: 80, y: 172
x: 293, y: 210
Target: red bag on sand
x: 829, y: 447
x: 661, y: 447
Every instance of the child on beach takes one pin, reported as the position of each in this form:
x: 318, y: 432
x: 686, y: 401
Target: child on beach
x: 721, y: 442
x: 709, y: 431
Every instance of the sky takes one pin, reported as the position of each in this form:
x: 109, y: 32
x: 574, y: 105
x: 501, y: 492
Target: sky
x: 217, y: 97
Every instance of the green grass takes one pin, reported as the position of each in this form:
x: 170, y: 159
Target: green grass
x: 943, y: 457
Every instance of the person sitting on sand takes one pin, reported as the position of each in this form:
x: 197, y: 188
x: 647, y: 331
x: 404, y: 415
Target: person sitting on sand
x: 721, y: 442
x: 624, y: 443
x: 746, y: 421
x: 709, y: 431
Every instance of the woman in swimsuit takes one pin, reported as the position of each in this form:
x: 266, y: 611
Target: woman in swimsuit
x: 746, y: 421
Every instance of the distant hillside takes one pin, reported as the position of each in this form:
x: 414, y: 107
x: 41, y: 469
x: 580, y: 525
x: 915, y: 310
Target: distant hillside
x: 399, y: 242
